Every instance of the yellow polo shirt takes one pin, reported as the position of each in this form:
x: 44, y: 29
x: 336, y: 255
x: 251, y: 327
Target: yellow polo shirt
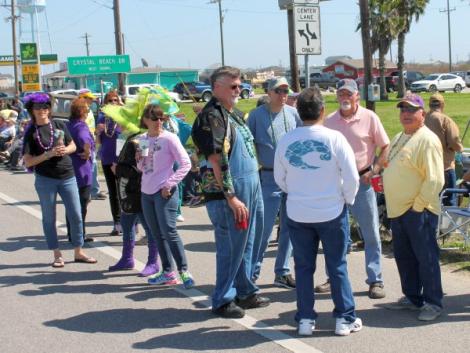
x: 90, y: 121
x: 414, y: 176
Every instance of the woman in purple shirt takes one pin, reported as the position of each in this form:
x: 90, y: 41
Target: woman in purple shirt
x: 81, y: 158
x: 160, y: 193
x: 107, y: 134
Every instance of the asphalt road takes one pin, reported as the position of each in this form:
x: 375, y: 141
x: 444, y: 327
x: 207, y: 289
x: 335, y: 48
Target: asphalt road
x: 84, y: 308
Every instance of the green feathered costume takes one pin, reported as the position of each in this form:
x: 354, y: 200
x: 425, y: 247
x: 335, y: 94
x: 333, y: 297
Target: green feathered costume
x: 128, y: 116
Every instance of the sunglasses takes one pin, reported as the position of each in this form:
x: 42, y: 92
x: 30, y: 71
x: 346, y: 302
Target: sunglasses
x: 281, y: 90
x: 409, y: 109
x: 156, y: 118
x: 234, y: 87
x: 39, y: 106
x: 114, y: 100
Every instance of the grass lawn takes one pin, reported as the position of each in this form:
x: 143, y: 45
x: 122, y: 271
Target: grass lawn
x: 457, y: 107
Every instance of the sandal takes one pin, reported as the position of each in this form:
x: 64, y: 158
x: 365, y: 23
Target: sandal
x: 86, y: 260
x: 58, y: 262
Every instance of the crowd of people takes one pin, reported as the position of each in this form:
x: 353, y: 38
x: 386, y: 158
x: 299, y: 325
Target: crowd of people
x: 286, y: 160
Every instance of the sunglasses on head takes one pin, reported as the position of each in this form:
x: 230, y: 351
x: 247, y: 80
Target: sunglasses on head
x: 409, y: 109
x: 281, y: 90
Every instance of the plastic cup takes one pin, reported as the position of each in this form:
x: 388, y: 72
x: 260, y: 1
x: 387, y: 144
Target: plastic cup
x: 376, y: 182
x: 144, y: 147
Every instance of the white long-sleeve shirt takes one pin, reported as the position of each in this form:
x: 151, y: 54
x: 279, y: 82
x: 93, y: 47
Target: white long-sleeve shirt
x: 316, y: 167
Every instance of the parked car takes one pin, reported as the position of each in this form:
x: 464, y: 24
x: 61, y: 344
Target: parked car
x: 73, y: 92
x: 439, y: 82
x: 391, y: 81
x: 465, y: 75
x: 61, y: 102
x: 203, y: 91
x: 130, y: 91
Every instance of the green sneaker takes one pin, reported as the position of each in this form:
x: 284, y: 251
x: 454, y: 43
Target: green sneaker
x: 402, y: 304
x: 187, y: 279
x: 429, y: 312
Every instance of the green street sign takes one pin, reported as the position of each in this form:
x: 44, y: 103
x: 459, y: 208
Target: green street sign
x: 29, y: 53
x: 91, y: 65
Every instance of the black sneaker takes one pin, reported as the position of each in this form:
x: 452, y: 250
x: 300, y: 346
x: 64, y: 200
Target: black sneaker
x: 252, y: 302
x: 229, y: 311
x: 285, y: 281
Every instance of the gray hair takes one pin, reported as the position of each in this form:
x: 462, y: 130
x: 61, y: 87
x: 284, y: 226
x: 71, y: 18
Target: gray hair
x: 224, y: 71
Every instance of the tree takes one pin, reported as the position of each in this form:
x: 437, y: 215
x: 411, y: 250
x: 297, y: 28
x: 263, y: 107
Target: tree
x: 408, y: 10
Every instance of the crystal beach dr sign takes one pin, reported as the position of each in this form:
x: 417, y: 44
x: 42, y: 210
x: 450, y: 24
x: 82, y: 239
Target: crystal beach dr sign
x: 91, y: 65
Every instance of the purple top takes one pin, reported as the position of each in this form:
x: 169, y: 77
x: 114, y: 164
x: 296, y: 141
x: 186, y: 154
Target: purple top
x: 157, y: 168
x: 108, y: 139
x: 83, y: 168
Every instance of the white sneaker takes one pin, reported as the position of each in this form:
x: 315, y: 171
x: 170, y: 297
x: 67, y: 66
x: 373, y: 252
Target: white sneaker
x: 344, y: 327
x: 179, y: 218
x: 306, y: 327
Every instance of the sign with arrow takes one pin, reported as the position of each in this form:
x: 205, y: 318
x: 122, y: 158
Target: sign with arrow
x: 307, y: 30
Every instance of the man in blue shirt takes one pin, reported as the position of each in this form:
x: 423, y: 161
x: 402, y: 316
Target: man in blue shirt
x: 268, y: 123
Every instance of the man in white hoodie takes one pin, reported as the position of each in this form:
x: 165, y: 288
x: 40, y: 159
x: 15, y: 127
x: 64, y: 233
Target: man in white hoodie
x: 316, y: 168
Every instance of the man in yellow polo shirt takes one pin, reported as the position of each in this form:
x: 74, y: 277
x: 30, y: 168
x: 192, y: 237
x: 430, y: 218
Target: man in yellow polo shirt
x: 412, y: 180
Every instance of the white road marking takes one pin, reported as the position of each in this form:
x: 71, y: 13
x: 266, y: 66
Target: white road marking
x: 259, y: 327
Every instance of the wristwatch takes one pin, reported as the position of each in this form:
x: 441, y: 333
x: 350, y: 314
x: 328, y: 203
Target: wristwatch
x: 229, y: 194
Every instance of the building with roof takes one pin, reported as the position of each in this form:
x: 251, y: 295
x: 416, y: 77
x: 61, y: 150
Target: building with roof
x: 354, y: 68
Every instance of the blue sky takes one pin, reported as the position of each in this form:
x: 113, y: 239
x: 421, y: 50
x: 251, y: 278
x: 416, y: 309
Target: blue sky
x: 185, y: 33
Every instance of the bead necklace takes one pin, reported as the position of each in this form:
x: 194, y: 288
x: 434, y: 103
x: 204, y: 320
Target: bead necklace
x: 106, y: 122
x: 51, y: 138
x: 245, y: 132
x: 286, y: 128
x: 397, y: 147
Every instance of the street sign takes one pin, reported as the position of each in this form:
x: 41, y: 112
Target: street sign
x: 91, y: 65
x: 307, y: 30
x: 31, y: 79
x: 29, y: 53
x: 7, y: 60
x: 306, y: 2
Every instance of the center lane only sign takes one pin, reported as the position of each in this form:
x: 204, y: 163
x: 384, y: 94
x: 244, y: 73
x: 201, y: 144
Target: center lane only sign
x: 307, y: 30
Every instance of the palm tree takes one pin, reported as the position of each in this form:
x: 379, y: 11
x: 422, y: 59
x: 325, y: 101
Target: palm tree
x: 408, y: 10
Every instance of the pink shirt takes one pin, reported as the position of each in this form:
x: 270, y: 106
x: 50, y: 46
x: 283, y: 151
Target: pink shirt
x: 364, y: 132
x: 157, y: 168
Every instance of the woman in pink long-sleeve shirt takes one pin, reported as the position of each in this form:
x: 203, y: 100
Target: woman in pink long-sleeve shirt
x: 160, y: 193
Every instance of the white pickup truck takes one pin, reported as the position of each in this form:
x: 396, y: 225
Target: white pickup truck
x: 130, y: 91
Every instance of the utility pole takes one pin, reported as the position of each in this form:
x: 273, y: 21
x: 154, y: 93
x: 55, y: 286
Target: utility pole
x: 13, y: 34
x: 118, y: 38
x: 294, y: 65
x: 87, y: 44
x: 221, y: 22
x: 448, y: 10
x: 366, y: 52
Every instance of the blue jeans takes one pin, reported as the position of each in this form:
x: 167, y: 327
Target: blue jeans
x: 305, y: 239
x: 160, y: 214
x: 450, y: 182
x: 47, y: 189
x: 95, y: 186
x: 274, y: 200
x: 366, y: 215
x: 417, y: 256
x: 128, y: 222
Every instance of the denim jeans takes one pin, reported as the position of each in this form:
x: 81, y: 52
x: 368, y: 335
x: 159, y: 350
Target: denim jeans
x: 305, y: 239
x: 84, y: 195
x: 160, y: 215
x: 95, y: 186
x: 47, y: 189
x: 274, y: 200
x: 366, y: 214
x: 417, y: 256
x: 128, y: 222
x: 450, y: 181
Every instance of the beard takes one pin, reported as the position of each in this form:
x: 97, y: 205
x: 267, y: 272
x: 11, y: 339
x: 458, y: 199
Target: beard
x: 346, y: 105
x: 234, y: 100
